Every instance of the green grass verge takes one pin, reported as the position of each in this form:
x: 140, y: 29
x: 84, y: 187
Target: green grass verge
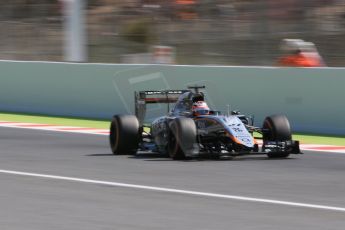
x: 79, y: 122
x: 102, y: 124
x: 314, y: 139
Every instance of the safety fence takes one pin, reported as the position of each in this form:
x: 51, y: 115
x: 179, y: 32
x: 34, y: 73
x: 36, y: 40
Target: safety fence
x: 221, y: 32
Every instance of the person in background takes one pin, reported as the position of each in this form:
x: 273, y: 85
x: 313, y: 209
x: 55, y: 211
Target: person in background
x: 299, y: 53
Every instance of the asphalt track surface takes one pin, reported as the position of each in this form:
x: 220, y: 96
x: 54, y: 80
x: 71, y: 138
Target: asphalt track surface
x: 73, y: 202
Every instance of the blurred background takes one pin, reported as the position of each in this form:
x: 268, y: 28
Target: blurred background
x: 203, y: 32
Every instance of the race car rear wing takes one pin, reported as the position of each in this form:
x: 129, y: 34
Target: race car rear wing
x: 142, y: 98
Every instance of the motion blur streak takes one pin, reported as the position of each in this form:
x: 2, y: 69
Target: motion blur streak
x: 222, y: 32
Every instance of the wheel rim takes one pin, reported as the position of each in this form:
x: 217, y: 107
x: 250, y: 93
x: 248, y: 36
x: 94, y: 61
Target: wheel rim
x: 173, y: 145
x: 115, y: 136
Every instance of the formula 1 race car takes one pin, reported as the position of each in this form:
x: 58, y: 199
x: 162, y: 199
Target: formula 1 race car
x: 191, y: 129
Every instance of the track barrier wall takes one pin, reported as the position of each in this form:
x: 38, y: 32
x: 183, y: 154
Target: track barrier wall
x: 312, y: 98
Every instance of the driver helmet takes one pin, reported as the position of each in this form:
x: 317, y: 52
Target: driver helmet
x: 200, y: 108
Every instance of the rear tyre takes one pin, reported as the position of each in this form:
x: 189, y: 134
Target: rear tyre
x: 182, y: 141
x: 279, y: 129
x: 124, y: 134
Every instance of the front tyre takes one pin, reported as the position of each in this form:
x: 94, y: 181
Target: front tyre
x: 277, y: 129
x: 124, y: 134
x: 183, y: 136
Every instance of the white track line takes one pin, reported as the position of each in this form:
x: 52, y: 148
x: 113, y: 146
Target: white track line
x: 55, y: 128
x: 323, y: 151
x: 176, y: 191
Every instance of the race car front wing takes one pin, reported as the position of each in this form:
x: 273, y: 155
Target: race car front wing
x: 281, y: 146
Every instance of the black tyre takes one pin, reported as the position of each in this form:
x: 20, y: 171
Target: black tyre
x: 278, y: 127
x: 182, y: 141
x: 124, y: 134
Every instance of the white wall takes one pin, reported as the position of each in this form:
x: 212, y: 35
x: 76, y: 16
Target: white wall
x: 312, y: 98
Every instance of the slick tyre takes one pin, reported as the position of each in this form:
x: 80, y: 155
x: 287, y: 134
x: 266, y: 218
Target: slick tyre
x: 124, y: 134
x: 279, y: 129
x: 182, y: 140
